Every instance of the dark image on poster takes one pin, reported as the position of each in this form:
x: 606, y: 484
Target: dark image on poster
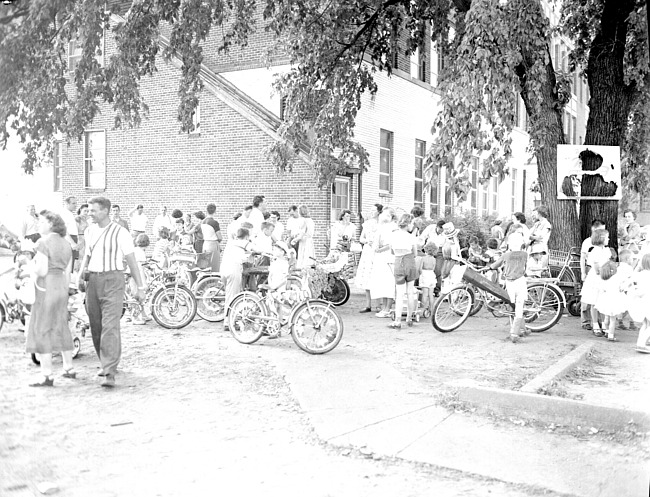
x: 588, y: 168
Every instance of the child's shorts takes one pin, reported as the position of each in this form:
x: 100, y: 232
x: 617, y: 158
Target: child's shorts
x: 428, y: 278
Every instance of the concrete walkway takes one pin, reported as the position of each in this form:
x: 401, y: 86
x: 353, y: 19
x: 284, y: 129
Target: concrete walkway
x: 354, y: 400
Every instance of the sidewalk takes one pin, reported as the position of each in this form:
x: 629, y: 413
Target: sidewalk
x: 357, y: 401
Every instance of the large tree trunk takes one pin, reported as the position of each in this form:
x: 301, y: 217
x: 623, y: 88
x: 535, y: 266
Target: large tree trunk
x: 563, y: 213
x: 609, y: 107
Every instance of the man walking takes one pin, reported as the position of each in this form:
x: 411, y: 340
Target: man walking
x: 107, y: 245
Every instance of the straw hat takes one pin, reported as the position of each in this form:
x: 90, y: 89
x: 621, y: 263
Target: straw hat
x: 449, y: 230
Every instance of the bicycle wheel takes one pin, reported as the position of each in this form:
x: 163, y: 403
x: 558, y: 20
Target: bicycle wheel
x: 477, y: 304
x: 338, y: 291
x: 173, y: 306
x: 543, y: 307
x: 452, y: 309
x: 316, y: 327
x: 210, y: 297
x: 246, y: 317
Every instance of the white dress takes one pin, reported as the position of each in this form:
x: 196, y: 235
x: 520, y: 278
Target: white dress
x: 382, y: 284
x: 611, y: 301
x: 364, y: 271
x: 306, y: 245
x: 594, y: 283
x: 638, y: 297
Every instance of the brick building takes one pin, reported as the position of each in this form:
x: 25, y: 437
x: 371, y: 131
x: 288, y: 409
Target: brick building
x: 224, y: 160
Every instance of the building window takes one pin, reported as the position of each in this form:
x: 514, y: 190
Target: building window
x: 386, y: 161
x: 566, y: 122
x: 75, y: 50
x: 283, y: 107
x: 473, y: 194
x: 434, y: 197
x: 340, y: 196
x: 485, y: 199
x: 448, y: 195
x: 495, y: 195
x: 513, y: 178
x: 418, y: 65
x: 574, y: 121
x: 57, y: 165
x: 645, y: 202
x: 420, y: 148
x: 394, y: 42
x: 196, y: 120
x: 557, y: 58
x: 95, y: 159
x: 580, y: 88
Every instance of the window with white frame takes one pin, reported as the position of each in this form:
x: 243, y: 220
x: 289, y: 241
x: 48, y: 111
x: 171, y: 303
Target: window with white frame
x: 75, y: 49
x: 57, y: 165
x: 418, y: 64
x: 485, y: 198
x: 340, y: 196
x: 513, y: 179
x: 420, y: 148
x: 385, y: 161
x: 434, y: 197
x: 196, y: 119
x: 645, y: 202
x: 449, y: 195
x: 95, y: 159
x: 473, y: 193
x: 574, y: 122
x: 495, y: 195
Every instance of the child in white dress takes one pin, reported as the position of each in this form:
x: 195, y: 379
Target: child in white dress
x: 610, y: 301
x: 428, y: 278
x: 638, y: 296
x: 596, y: 258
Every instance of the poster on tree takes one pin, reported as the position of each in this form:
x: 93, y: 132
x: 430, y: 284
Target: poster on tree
x: 588, y: 172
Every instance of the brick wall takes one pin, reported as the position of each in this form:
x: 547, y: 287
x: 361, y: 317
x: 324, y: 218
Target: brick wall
x: 156, y: 164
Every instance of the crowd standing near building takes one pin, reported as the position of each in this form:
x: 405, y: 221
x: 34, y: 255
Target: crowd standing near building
x: 401, y: 255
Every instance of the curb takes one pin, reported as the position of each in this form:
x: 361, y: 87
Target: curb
x: 552, y: 409
x: 560, y: 368
x: 529, y: 404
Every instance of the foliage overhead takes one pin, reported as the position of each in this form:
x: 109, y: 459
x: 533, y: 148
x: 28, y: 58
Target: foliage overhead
x: 494, y: 51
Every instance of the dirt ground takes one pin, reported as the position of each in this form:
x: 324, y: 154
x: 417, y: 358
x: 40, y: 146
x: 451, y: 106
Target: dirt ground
x: 477, y: 351
x: 196, y: 413
x: 193, y: 413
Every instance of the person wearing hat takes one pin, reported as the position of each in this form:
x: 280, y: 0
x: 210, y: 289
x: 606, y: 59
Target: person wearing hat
x: 450, y: 249
x: 433, y: 234
x: 536, y: 267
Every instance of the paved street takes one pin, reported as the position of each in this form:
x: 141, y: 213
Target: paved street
x: 196, y: 413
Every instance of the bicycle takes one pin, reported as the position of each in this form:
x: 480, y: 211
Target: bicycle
x: 207, y: 286
x: 173, y: 305
x: 337, y: 290
x: 314, y: 325
x: 542, y: 310
x: 565, y: 267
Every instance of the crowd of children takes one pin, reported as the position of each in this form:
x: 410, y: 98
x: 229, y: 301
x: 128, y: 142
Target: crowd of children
x: 612, y: 294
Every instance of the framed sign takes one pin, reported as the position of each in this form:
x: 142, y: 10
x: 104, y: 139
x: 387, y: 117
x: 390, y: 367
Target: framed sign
x: 588, y: 172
